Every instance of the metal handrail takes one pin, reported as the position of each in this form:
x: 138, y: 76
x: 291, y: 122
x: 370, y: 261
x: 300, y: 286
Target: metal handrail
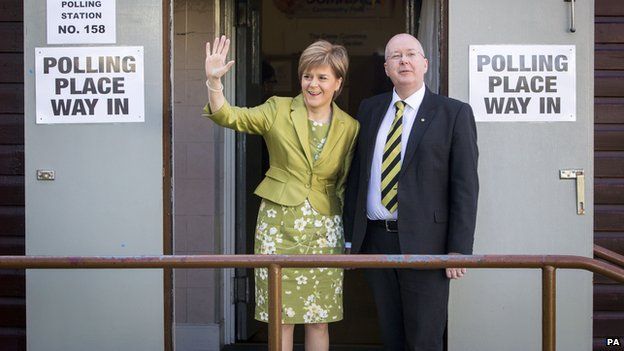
x: 547, y: 263
x: 608, y: 255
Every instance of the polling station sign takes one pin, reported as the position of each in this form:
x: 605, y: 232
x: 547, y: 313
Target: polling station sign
x: 89, y: 85
x: 81, y: 22
x: 523, y: 83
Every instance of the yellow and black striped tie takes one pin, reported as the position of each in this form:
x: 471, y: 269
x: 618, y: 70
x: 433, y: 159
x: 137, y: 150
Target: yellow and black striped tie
x: 391, y: 161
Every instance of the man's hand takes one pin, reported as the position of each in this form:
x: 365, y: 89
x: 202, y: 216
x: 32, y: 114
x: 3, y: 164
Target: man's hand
x: 455, y: 273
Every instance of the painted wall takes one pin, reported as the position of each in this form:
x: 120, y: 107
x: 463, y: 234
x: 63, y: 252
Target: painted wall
x: 196, y: 172
x: 524, y: 208
x: 106, y: 200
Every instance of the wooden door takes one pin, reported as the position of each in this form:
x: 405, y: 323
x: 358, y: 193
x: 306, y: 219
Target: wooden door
x: 12, y: 282
x: 609, y: 162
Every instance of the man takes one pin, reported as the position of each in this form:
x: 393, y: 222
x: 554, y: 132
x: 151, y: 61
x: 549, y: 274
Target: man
x: 412, y: 189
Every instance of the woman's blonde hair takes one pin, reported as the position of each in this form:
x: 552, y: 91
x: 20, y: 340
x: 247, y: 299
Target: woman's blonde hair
x: 321, y: 53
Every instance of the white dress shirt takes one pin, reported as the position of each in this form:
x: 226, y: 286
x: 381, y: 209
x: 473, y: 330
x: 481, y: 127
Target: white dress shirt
x: 374, y: 209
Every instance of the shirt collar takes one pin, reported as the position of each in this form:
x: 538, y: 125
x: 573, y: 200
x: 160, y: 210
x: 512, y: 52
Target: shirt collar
x: 413, y: 101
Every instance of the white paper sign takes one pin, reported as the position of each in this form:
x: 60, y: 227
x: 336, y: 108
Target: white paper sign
x: 523, y: 83
x: 81, y: 22
x: 89, y: 85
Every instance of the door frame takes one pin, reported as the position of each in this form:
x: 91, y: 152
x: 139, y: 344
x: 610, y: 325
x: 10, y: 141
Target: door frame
x: 225, y: 19
x: 167, y: 142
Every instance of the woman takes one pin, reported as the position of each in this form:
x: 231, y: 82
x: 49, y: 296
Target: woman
x: 311, y: 142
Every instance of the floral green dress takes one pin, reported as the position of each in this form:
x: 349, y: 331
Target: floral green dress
x: 309, y: 295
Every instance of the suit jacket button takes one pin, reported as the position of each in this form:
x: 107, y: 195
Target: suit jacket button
x: 309, y: 172
x: 307, y: 186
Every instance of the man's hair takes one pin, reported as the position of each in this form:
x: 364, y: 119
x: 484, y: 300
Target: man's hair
x: 419, y: 47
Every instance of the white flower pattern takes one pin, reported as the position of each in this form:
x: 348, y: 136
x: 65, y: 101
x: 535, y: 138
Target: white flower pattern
x: 300, y: 224
x: 302, y: 280
x: 309, y: 295
x: 312, y: 295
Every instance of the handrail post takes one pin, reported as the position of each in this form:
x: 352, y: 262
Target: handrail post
x: 549, y: 300
x: 275, y: 307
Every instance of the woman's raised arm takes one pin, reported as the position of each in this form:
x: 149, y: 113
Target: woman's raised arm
x: 215, y: 69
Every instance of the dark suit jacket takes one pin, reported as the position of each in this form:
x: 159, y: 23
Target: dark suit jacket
x: 438, y: 184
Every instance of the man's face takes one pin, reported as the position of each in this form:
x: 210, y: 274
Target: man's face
x: 405, y: 63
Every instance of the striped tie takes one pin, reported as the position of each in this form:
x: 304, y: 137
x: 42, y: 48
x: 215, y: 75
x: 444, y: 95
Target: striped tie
x: 391, y: 161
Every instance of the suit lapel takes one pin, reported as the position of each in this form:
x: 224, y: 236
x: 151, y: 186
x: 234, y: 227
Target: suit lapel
x: 336, y: 129
x: 376, y: 116
x: 299, y: 117
x: 424, y: 116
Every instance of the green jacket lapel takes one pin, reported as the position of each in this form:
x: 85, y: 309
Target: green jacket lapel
x: 299, y: 117
x: 336, y: 129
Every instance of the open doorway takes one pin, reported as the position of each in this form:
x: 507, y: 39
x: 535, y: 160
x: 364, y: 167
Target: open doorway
x: 270, y: 37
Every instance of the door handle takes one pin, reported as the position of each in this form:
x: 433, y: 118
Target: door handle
x: 579, y: 175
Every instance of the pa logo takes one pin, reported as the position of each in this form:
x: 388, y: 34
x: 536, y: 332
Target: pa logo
x: 613, y: 342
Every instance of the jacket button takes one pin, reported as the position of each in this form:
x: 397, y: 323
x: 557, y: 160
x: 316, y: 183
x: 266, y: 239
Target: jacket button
x: 309, y: 172
x: 307, y: 186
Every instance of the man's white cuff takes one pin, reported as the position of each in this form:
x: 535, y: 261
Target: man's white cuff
x: 347, y: 245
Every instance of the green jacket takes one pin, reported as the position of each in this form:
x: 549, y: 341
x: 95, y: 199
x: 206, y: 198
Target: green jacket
x: 294, y: 175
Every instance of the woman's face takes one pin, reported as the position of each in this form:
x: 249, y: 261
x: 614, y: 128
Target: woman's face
x: 318, y: 85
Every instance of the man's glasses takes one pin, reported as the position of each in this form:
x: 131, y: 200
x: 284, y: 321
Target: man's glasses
x: 410, y: 56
